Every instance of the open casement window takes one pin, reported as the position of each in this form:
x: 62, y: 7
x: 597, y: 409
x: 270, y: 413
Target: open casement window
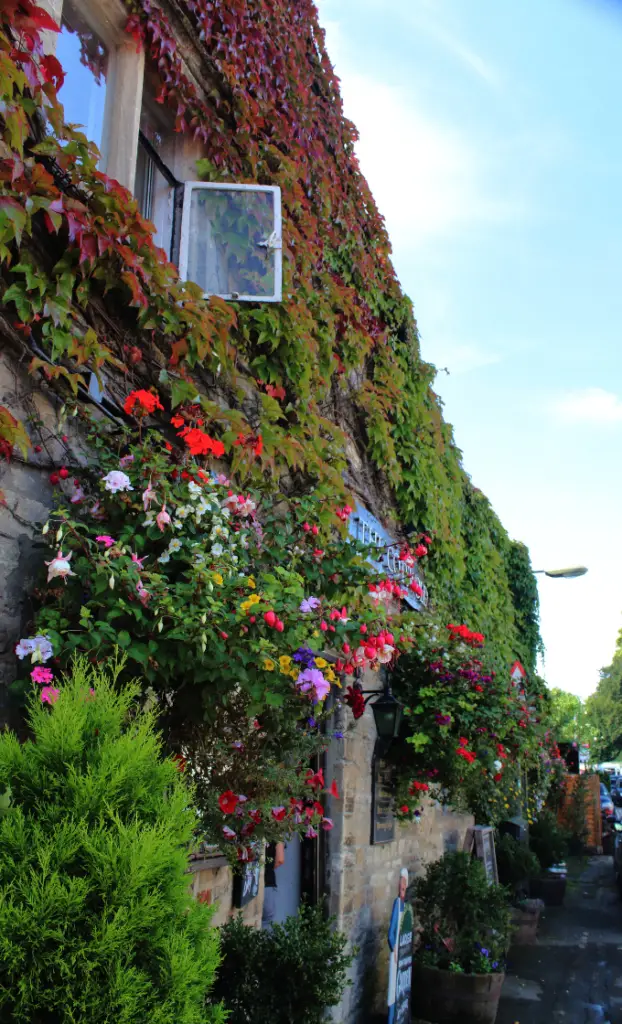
x: 231, y: 240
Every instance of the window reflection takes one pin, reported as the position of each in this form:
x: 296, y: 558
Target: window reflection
x: 85, y: 61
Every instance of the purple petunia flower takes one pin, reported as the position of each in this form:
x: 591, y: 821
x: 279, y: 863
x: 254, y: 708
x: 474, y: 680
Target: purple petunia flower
x: 304, y: 656
x: 309, y: 604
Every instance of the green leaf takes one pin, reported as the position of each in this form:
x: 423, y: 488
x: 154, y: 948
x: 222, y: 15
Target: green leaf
x: 124, y: 639
x: 182, y: 391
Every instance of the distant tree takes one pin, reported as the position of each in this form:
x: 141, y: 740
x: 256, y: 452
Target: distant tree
x: 567, y: 716
x: 604, y: 711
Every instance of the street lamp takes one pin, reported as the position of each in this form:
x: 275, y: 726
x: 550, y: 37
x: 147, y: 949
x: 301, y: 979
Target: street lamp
x: 387, y: 712
x: 566, y: 574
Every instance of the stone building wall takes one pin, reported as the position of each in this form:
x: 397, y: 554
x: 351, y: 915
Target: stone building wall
x: 362, y: 879
x: 26, y: 496
x: 212, y: 883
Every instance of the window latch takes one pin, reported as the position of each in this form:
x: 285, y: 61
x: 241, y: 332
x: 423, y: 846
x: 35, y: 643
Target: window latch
x: 273, y: 241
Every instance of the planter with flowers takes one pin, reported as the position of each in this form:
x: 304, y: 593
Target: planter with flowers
x: 464, y: 929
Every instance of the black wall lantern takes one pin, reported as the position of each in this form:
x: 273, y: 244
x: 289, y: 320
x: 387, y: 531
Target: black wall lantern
x: 387, y: 712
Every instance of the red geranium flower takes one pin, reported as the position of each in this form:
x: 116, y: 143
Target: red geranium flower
x: 146, y: 400
x: 200, y: 443
x: 228, y: 801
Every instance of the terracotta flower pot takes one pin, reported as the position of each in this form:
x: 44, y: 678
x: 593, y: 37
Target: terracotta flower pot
x: 551, y: 889
x: 443, y: 997
x: 525, y: 923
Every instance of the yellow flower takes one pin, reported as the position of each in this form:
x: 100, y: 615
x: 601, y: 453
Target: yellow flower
x: 217, y: 578
x: 246, y: 606
x: 251, y: 583
x: 254, y: 599
x: 329, y: 674
x: 320, y: 663
x: 269, y: 665
x: 285, y: 663
x: 315, y: 633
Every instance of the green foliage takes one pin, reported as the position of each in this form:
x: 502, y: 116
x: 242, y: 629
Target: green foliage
x: 342, y: 348
x: 516, y: 863
x: 548, y: 840
x: 464, y: 921
x: 292, y: 972
x: 567, y: 717
x: 604, y: 711
x: 96, y: 921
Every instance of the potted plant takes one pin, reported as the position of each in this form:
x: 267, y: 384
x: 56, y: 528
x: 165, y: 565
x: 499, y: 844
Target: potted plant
x: 517, y: 865
x: 549, y: 842
x: 464, y: 927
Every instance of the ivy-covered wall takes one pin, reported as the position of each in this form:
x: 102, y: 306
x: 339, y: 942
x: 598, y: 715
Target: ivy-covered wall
x: 331, y: 379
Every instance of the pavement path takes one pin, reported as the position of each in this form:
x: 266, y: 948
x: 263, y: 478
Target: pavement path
x: 573, y: 975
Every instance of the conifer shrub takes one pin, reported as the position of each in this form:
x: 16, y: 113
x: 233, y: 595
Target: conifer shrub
x: 97, y: 925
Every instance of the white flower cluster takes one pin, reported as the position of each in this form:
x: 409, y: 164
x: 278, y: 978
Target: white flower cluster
x: 38, y: 647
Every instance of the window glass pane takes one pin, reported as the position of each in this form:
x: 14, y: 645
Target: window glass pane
x: 224, y: 254
x: 155, y: 199
x: 154, y: 193
x: 85, y: 61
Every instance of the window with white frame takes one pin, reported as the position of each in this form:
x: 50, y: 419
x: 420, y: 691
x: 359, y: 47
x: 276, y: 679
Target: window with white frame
x: 231, y: 240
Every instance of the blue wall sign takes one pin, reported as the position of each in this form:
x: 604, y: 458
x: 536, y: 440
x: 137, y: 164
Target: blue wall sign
x: 369, y: 530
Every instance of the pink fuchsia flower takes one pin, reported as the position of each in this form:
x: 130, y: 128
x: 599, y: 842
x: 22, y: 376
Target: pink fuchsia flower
x: 163, y: 518
x: 309, y: 604
x: 310, y: 833
x: 143, y: 595
x: 138, y: 561
x: 49, y: 695
x: 278, y: 813
x: 148, y: 496
x: 41, y: 675
x: 312, y: 678
x: 126, y: 461
x: 222, y: 479
x: 228, y: 833
x: 115, y: 481
x: 327, y: 824
x: 77, y: 496
x: 385, y: 653
x: 59, y: 566
x: 105, y: 540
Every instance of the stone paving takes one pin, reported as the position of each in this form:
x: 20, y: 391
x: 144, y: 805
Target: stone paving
x: 573, y: 975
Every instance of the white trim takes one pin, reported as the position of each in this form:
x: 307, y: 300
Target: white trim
x: 276, y: 245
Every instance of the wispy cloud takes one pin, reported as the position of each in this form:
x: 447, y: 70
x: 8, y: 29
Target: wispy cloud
x: 589, y: 405
x: 428, y: 178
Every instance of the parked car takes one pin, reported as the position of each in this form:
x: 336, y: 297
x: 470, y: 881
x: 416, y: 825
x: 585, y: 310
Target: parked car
x: 617, y: 854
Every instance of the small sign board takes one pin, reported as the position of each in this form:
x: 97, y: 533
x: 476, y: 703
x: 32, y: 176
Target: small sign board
x: 246, y: 884
x: 383, y: 803
x: 404, y: 968
x: 481, y: 840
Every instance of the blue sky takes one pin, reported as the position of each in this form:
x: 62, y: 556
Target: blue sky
x: 491, y: 135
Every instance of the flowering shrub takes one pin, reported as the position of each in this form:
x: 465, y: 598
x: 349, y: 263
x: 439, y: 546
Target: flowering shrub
x: 464, y: 921
x: 241, y: 617
x: 468, y: 726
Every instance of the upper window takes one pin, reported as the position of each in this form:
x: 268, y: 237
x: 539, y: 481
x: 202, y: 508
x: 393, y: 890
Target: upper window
x: 84, y: 58
x: 231, y: 240
x: 156, y: 186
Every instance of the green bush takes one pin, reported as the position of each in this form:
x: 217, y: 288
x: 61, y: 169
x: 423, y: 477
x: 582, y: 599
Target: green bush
x: 548, y: 840
x: 96, y: 922
x: 464, y: 921
x: 290, y: 973
x: 516, y: 863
